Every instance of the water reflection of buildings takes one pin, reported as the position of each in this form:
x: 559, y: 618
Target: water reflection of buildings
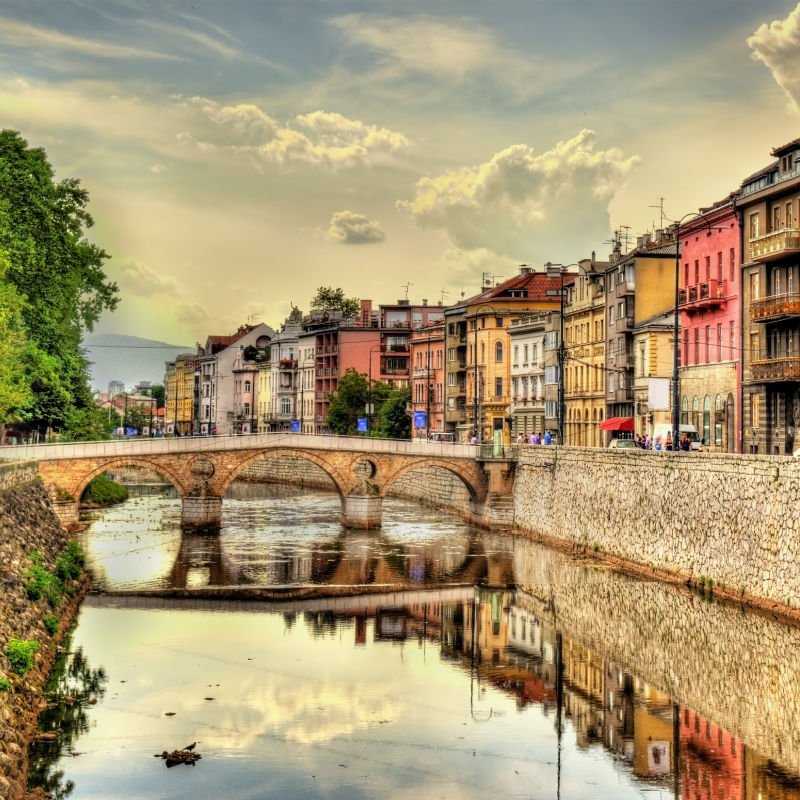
x: 506, y: 640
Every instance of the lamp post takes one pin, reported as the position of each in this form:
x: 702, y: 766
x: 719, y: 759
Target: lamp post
x: 375, y: 348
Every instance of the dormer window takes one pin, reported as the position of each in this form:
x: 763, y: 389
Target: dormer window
x: 788, y: 162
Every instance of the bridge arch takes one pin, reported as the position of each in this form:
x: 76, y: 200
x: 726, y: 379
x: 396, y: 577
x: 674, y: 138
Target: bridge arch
x: 339, y: 481
x: 157, y: 466
x: 469, y: 477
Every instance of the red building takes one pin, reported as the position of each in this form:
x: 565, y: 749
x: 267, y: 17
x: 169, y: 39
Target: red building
x: 710, y: 357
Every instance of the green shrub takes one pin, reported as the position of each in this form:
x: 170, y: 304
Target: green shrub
x: 50, y: 623
x: 20, y: 655
x: 102, y: 491
x: 70, y: 563
x: 40, y: 583
x: 5, y: 684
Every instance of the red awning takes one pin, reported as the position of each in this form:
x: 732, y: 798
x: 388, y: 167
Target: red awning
x: 617, y: 424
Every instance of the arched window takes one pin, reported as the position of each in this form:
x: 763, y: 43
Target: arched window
x: 695, y: 412
x: 498, y: 352
x: 719, y: 416
x: 707, y: 420
x: 685, y: 411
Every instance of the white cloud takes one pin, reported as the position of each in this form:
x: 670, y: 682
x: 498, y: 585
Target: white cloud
x: 138, y: 279
x: 427, y: 44
x: 20, y: 34
x: 157, y: 169
x: 777, y: 45
x: 522, y: 205
x: 349, y: 227
x: 319, y: 138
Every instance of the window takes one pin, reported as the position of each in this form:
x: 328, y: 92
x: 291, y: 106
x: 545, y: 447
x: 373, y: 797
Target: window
x: 516, y: 355
x: 451, y: 353
x: 286, y: 405
x: 755, y: 410
x: 498, y: 322
x: 697, y: 271
x: 708, y: 268
x: 754, y: 226
x: 697, y: 345
x: 755, y: 347
x: 719, y: 415
x: 719, y: 266
x: 708, y: 344
x: 498, y: 352
x: 719, y: 341
x: 686, y: 273
x: 755, y: 286
x: 789, y: 214
x: 776, y: 281
x: 684, y: 356
x: 707, y: 419
x: 776, y: 218
x: 451, y: 379
x: 247, y: 386
x: 498, y: 387
x: 732, y: 275
x: 732, y: 340
x: 790, y: 280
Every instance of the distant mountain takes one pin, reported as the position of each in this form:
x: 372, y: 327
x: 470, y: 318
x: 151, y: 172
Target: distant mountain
x: 129, y: 359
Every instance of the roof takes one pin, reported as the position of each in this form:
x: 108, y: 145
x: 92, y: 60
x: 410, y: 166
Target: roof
x: 535, y: 285
x: 786, y: 148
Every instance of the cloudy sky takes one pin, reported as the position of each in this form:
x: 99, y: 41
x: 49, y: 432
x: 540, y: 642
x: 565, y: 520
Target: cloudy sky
x: 239, y: 155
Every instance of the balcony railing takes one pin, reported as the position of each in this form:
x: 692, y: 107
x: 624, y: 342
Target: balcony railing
x: 423, y: 372
x: 703, y: 295
x: 775, y: 307
x: 775, y: 245
x: 768, y: 370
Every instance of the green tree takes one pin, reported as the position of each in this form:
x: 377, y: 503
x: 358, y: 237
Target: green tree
x: 328, y: 300
x: 348, y: 403
x: 394, y: 421
x: 158, y: 392
x: 15, y: 388
x: 88, y: 424
x: 57, y: 271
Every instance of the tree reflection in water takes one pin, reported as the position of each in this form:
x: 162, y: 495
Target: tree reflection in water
x: 72, y: 686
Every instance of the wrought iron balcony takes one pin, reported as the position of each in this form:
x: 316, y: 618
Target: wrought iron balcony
x: 775, y: 307
x: 771, y: 370
x: 775, y: 245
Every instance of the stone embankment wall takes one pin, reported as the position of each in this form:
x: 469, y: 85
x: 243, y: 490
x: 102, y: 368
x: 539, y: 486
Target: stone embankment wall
x: 728, y: 522
x: 27, y: 523
x: 738, y: 669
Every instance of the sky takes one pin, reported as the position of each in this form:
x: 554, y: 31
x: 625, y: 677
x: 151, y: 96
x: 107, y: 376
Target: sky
x: 239, y: 155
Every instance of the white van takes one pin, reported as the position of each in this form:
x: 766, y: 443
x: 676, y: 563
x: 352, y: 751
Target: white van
x: 663, y: 428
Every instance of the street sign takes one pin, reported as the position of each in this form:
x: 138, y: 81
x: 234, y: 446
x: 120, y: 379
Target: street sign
x: 295, y: 426
x: 362, y: 425
x: 420, y: 418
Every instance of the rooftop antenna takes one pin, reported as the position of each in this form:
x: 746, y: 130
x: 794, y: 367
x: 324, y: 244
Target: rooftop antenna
x: 405, y: 286
x: 442, y: 295
x: 660, y: 207
x: 625, y: 235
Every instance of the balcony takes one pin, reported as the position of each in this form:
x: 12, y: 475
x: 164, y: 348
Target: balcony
x: 773, y: 370
x: 624, y: 288
x: 423, y: 372
x: 620, y: 395
x: 703, y: 296
x: 776, y: 307
x: 775, y: 245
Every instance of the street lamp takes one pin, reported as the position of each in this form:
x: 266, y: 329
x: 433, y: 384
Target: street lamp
x: 370, y: 409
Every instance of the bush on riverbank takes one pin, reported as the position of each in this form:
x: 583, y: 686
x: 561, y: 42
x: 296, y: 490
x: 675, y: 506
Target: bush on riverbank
x: 102, y: 491
x: 20, y: 655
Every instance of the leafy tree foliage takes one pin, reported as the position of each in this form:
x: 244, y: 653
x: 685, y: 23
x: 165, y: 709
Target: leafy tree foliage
x: 348, y: 403
x: 328, y: 299
x: 159, y: 393
x: 58, y: 273
x: 395, y: 422
x: 15, y: 388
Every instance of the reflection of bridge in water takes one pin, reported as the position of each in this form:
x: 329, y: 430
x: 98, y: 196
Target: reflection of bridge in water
x: 349, y: 560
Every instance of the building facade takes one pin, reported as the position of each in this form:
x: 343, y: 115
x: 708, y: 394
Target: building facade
x: 428, y: 378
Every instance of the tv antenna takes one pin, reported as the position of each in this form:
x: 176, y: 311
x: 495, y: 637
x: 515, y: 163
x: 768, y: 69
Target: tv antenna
x: 442, y: 295
x: 660, y: 207
x: 405, y: 286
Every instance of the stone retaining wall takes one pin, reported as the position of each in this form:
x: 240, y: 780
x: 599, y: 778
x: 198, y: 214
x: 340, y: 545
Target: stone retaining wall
x: 736, y: 668
x: 291, y: 470
x: 727, y: 521
x: 27, y: 523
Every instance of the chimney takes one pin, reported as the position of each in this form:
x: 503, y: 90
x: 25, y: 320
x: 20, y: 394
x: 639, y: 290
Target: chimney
x: 639, y: 242
x: 646, y: 239
x: 524, y: 269
x: 659, y: 234
x: 424, y: 301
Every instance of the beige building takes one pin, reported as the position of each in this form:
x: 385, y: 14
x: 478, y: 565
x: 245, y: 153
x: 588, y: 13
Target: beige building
x: 652, y: 366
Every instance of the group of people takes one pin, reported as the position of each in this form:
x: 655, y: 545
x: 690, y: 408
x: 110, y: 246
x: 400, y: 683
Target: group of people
x: 535, y: 438
x: 684, y: 443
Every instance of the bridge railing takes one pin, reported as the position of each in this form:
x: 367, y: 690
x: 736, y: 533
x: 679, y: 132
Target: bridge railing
x: 116, y: 448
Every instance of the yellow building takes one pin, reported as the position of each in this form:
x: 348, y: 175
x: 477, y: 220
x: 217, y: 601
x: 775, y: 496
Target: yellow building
x: 180, y: 394
x: 488, y: 366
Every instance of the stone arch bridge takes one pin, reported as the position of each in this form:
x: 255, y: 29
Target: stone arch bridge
x: 202, y: 469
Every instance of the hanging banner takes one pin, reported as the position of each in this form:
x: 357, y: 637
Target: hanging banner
x: 420, y: 418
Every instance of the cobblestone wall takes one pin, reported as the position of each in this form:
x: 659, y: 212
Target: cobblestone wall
x: 730, y: 520
x: 27, y: 523
x: 734, y: 667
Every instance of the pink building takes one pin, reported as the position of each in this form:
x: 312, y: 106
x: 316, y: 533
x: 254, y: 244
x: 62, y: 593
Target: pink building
x: 428, y: 377
x: 710, y: 357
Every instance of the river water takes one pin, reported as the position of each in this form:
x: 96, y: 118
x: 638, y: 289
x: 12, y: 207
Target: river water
x: 426, y: 660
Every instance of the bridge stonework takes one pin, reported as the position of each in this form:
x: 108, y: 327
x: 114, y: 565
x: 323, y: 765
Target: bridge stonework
x: 361, y: 477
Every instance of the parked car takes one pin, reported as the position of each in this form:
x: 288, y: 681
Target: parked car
x: 623, y: 444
